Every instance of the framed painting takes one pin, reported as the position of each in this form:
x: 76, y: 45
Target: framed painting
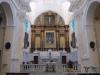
x: 49, y: 37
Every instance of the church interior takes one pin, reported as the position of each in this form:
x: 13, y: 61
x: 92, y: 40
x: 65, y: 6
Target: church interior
x: 49, y: 37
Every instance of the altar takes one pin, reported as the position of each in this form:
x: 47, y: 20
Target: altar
x: 50, y: 66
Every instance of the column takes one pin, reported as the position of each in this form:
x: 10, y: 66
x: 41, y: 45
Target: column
x: 66, y: 38
x: 32, y: 40
x: 57, y: 39
x: 42, y: 40
x: 65, y: 35
x: 67, y: 31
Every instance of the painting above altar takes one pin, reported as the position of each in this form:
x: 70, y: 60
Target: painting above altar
x: 50, y: 39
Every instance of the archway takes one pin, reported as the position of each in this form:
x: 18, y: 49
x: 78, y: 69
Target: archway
x: 93, y: 29
x: 6, y: 20
x: 49, y: 11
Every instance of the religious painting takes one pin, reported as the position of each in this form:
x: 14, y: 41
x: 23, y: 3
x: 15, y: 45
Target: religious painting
x: 49, y: 37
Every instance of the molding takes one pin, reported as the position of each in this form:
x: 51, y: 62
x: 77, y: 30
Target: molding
x: 21, y: 6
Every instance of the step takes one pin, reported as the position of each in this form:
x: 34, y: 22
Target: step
x: 52, y: 73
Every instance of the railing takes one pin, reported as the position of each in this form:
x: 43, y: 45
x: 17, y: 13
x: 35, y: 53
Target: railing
x: 92, y: 69
x: 42, y: 68
x: 32, y: 67
x: 28, y: 68
x: 75, y: 68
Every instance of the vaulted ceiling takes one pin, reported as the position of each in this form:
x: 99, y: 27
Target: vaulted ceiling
x: 60, y: 7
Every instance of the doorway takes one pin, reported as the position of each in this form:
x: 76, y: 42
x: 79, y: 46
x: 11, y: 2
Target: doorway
x: 64, y: 60
x: 35, y: 59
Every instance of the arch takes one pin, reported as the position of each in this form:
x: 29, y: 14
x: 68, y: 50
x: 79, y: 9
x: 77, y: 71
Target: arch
x: 63, y: 22
x: 8, y: 13
x: 45, y: 12
x: 91, y: 31
x: 2, y: 16
x: 91, y: 4
x: 91, y: 12
x: 6, y: 33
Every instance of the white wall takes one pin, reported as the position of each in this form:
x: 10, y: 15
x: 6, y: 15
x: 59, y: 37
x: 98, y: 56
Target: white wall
x: 85, y: 33
x: 14, y: 33
x: 97, y: 33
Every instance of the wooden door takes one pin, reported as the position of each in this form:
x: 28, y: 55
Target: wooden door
x: 63, y: 59
x: 35, y: 59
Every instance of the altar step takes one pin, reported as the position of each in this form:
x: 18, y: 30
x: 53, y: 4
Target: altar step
x: 52, y: 73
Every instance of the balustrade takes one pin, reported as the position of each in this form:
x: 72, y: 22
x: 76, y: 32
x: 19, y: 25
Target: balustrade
x: 32, y: 67
x: 93, y: 69
x: 42, y: 68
